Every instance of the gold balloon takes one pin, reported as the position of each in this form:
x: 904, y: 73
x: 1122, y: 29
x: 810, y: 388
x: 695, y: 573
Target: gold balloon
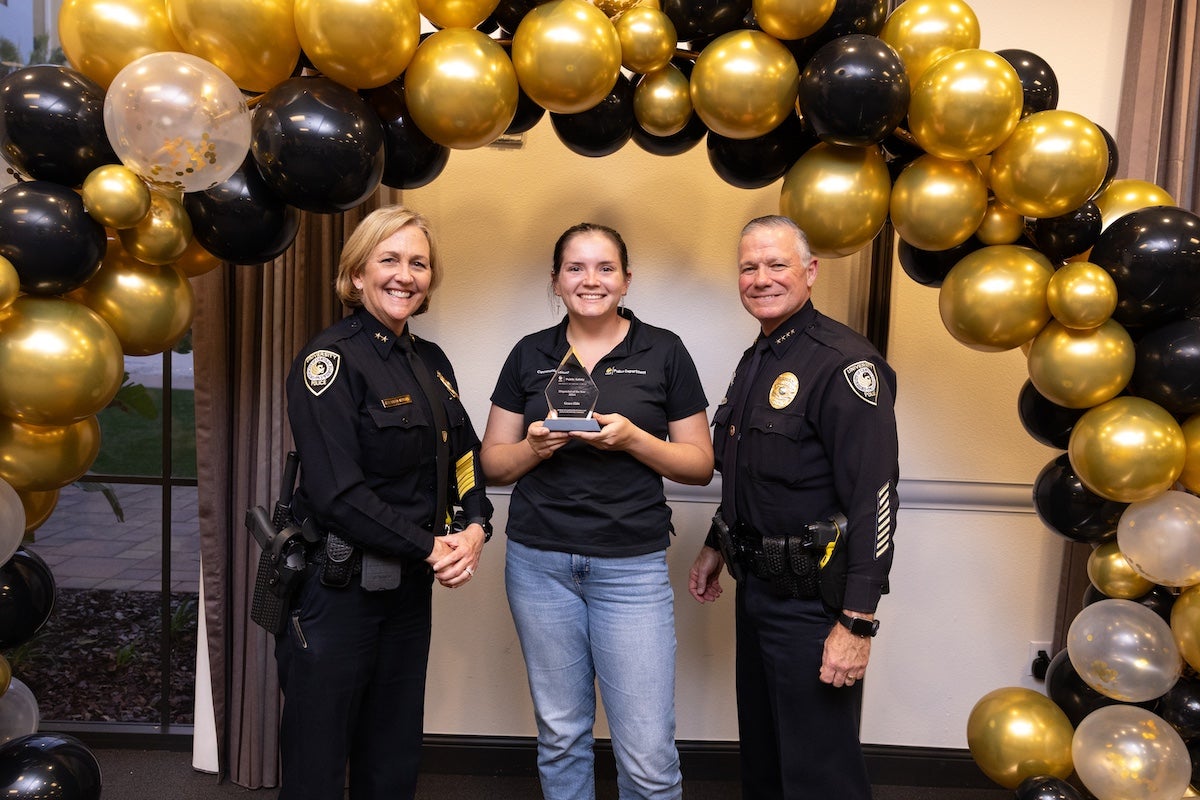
x: 1185, y: 625
x: 10, y: 283
x: 927, y: 31
x: 1081, y: 295
x: 461, y: 88
x: 745, y: 84
x: 792, y: 19
x: 162, y: 235
x: 5, y: 675
x: 614, y: 8
x: 357, y: 44
x: 965, y: 105
x: 1001, y: 225
x: 196, y: 261
x: 1127, y: 449
x: 1081, y: 368
x: 995, y: 298
x: 100, y: 37
x: 839, y: 196
x: 1190, y: 477
x: 115, y: 196
x: 1014, y: 733
x: 937, y: 204
x: 254, y: 42
x: 1124, y: 195
x: 456, y: 13
x: 41, y: 458
x: 648, y: 39
x: 1051, y: 164
x: 59, y: 361
x: 567, y: 55
x: 662, y: 101
x: 1110, y: 572
x: 38, y: 507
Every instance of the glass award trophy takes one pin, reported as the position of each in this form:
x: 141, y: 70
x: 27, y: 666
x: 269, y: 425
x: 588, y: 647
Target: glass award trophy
x: 571, y: 395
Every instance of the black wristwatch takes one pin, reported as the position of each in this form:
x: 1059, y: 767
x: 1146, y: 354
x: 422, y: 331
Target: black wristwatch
x: 859, y: 626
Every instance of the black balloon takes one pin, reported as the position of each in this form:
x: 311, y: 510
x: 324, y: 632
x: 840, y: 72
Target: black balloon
x: 411, y: 159
x: 27, y: 594
x: 1070, y: 509
x: 528, y: 114
x: 849, y: 16
x: 704, y: 19
x: 604, y: 128
x: 1046, y: 787
x: 509, y: 13
x: 854, y: 91
x: 760, y: 161
x: 1153, y: 254
x: 318, y: 144
x: 930, y: 267
x: 1059, y: 238
x: 1167, y: 367
x: 241, y: 220
x: 1038, y: 82
x: 48, y: 766
x: 1045, y: 420
x: 52, y: 124
x: 1193, y: 748
x: 676, y: 143
x: 1070, y: 692
x: 1180, y: 706
x: 49, y: 237
x: 1114, y: 161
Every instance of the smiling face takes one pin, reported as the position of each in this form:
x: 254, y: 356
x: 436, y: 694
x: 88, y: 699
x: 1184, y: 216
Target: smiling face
x: 775, y: 275
x: 395, y: 280
x: 591, y: 280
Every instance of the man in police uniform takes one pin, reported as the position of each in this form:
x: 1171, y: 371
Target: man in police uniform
x: 805, y: 434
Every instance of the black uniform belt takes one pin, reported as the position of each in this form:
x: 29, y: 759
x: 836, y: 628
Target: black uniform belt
x: 791, y: 562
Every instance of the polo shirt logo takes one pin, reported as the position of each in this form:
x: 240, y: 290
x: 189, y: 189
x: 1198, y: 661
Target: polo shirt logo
x: 620, y: 371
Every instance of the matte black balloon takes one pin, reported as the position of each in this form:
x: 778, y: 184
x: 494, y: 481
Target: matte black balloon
x: 1059, y: 238
x: 1180, y: 706
x: 1070, y: 509
x: 318, y: 144
x: 27, y: 594
x: 695, y: 19
x: 241, y: 220
x: 1046, y: 787
x: 854, y: 91
x: 49, y: 766
x: 754, y: 163
x: 930, y: 267
x: 1114, y: 161
x: 1038, y: 82
x: 1167, y: 367
x: 411, y: 159
x: 1153, y: 254
x: 1070, y: 692
x: 849, y: 17
x: 52, y: 124
x: 49, y: 237
x: 603, y: 129
x: 1045, y: 420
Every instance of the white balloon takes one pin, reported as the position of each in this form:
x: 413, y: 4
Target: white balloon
x: 19, y: 715
x: 1122, y: 752
x: 12, y: 521
x: 1124, y: 650
x: 1160, y: 538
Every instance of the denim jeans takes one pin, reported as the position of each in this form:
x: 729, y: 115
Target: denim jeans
x: 583, y: 619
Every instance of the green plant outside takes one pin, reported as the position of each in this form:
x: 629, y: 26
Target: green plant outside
x: 131, y: 443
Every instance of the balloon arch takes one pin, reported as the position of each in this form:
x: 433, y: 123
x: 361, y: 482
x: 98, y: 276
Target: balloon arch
x: 180, y: 137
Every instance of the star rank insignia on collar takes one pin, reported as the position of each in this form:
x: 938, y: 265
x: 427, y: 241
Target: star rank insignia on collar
x: 381, y: 337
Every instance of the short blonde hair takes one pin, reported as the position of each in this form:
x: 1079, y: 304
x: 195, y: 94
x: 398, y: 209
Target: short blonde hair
x: 374, y: 228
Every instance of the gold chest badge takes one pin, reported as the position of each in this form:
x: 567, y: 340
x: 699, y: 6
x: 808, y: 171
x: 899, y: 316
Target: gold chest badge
x: 783, y: 390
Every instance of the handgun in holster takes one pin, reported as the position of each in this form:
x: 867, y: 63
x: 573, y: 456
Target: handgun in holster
x: 283, y: 562
x: 728, y: 547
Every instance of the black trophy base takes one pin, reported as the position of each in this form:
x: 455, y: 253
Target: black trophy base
x: 571, y: 424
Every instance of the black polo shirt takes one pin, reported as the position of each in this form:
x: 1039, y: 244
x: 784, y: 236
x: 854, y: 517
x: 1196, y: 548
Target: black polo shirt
x: 584, y: 500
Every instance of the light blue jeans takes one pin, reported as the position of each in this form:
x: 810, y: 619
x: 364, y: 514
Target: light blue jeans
x: 581, y: 619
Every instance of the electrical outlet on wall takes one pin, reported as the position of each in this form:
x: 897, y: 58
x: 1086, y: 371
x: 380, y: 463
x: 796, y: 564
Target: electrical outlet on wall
x: 1034, y: 649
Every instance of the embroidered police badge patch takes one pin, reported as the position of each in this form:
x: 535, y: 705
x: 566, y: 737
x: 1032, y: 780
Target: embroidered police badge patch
x: 863, y: 380
x: 320, y: 370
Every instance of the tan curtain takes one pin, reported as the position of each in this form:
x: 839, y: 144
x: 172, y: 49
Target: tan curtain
x: 250, y: 323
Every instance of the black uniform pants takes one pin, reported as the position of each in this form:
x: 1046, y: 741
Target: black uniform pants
x: 798, y: 736
x: 352, y: 667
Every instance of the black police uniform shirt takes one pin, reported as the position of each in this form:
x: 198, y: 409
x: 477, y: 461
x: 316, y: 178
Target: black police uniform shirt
x: 818, y: 437
x: 366, y: 438
x: 584, y: 500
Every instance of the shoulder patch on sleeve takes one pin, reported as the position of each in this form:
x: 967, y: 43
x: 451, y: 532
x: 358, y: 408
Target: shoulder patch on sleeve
x: 863, y: 380
x: 321, y: 370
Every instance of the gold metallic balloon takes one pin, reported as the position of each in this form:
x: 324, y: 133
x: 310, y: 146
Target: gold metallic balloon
x: 59, y: 361
x: 744, y: 84
x: 965, y: 105
x: 1015, y: 733
x: 839, y: 196
x: 10, y: 283
x: 1081, y: 368
x: 937, y: 204
x: 461, y: 88
x: 1191, y: 465
x: 792, y: 19
x: 357, y: 44
x: 162, y: 235
x: 99, y: 37
x: 455, y: 13
x: 995, y: 298
x: 196, y: 261
x: 924, y: 32
x: 38, y: 507
x: 41, y: 458
x: 1185, y: 625
x: 662, y: 101
x: 1124, y: 195
x: 1127, y: 449
x: 115, y: 196
x: 254, y: 42
x: 1001, y: 225
x: 5, y: 675
x: 567, y: 55
x: 1081, y: 295
x: 1051, y: 164
x: 614, y: 8
x: 1110, y: 572
x: 648, y: 39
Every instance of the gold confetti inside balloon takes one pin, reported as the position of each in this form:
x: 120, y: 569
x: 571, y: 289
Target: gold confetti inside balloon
x: 1051, y: 164
x: 1081, y: 368
x: 115, y: 196
x: 362, y: 45
x: 1081, y: 295
x: 838, y: 196
x: 792, y: 19
x: 1124, y: 751
x: 1124, y: 195
x: 995, y: 298
x: 648, y: 39
x: 937, y: 204
x: 567, y: 55
x: 1111, y: 573
x: 744, y: 84
x: 1014, y: 733
x: 926, y: 31
x: 254, y: 42
x: 965, y: 105
x: 100, y: 37
x: 662, y: 101
x: 40, y: 458
x: 163, y: 234
x: 1127, y: 449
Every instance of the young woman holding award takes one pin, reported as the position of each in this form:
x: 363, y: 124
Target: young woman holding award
x: 588, y: 523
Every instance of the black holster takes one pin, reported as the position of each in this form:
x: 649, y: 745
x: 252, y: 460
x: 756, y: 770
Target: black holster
x: 806, y: 564
x: 282, y: 566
